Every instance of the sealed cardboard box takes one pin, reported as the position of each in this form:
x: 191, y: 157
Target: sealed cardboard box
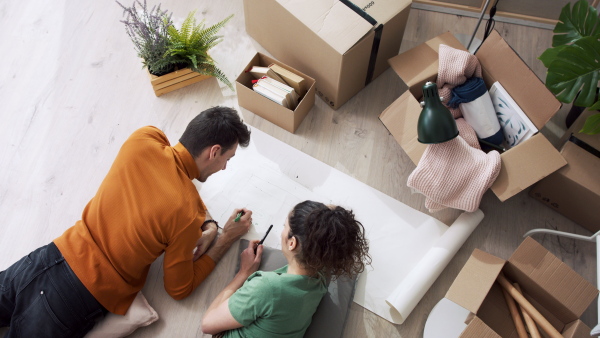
x: 553, y: 288
x: 522, y: 165
x: 343, y: 44
x: 285, y: 118
x: 574, y: 190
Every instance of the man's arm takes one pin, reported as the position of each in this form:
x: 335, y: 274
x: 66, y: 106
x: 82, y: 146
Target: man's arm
x: 218, y: 317
x: 179, y: 279
x: 209, y: 233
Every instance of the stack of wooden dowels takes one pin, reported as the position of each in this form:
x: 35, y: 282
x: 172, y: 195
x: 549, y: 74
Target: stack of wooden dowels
x: 533, y: 318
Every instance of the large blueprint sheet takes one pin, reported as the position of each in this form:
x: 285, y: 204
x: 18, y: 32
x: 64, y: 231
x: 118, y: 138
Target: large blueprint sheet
x: 269, y: 177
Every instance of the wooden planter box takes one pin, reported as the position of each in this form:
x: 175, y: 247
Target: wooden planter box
x: 174, y: 80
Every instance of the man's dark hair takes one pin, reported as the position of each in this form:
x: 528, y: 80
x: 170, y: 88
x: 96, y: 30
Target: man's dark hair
x: 216, y: 125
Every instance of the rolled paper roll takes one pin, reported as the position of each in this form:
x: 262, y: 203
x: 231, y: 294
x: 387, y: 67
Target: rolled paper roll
x: 477, y: 109
x: 407, y: 295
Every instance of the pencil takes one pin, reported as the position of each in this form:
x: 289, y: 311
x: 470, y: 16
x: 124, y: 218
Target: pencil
x: 263, y: 239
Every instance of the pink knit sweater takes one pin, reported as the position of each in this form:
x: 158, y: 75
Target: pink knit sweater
x: 456, y: 173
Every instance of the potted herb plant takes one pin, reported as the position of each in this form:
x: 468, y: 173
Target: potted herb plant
x: 173, y: 57
x: 573, y: 61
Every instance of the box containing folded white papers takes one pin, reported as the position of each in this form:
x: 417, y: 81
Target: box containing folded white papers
x: 282, y: 95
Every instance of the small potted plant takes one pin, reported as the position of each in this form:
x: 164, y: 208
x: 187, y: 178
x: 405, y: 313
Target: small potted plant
x: 174, y: 58
x: 573, y: 62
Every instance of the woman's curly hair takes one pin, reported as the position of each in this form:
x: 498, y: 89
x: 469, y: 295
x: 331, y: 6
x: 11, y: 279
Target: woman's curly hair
x: 332, y: 241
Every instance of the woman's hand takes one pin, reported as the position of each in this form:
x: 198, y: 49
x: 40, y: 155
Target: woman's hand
x: 250, y: 261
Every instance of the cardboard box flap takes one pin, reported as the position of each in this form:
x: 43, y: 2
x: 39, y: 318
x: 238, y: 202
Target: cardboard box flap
x: 335, y: 23
x: 402, y: 125
x: 382, y: 10
x: 494, y: 312
x: 550, y: 281
x: 500, y: 63
x: 592, y: 140
x: 576, y: 329
x: 526, y: 164
x: 421, y: 63
x: 475, y: 280
x: 478, y: 329
x: 582, y: 166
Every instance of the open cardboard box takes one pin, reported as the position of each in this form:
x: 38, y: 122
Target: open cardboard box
x: 574, y: 190
x: 522, y: 165
x: 559, y: 293
x: 331, y: 40
x: 261, y: 106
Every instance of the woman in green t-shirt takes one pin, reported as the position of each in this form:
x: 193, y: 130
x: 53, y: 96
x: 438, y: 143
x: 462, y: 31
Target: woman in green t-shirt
x: 319, y: 242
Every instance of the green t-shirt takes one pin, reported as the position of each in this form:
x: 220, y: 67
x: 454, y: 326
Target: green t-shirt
x: 275, y: 304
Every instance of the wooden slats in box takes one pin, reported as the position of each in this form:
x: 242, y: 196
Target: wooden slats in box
x: 553, y: 288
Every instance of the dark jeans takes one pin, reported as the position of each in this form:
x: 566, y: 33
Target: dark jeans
x: 40, y: 296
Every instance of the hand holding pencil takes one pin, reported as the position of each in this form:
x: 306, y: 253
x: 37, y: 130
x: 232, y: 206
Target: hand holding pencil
x: 250, y: 259
x: 263, y: 239
x: 238, y: 224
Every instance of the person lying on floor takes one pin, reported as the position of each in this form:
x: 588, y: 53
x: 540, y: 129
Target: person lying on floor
x: 319, y: 242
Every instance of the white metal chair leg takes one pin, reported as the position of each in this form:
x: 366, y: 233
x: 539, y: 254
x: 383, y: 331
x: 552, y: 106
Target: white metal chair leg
x: 595, y: 237
x: 596, y: 330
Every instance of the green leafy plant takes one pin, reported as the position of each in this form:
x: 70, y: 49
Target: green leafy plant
x: 164, y: 48
x: 573, y: 62
x: 189, y: 46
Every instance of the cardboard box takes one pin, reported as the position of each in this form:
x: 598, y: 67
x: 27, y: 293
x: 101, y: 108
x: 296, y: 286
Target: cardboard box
x: 559, y: 293
x: 343, y: 50
x: 522, y: 165
x: 261, y: 106
x: 574, y: 190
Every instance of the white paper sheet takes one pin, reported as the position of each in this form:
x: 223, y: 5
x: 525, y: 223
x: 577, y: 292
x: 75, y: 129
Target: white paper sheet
x: 270, y: 177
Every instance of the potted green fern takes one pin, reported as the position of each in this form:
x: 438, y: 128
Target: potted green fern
x: 573, y: 62
x: 173, y: 57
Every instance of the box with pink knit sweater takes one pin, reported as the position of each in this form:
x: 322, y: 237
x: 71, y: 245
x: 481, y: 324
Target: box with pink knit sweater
x: 520, y: 166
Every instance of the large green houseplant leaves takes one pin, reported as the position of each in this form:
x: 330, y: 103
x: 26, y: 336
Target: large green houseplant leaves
x: 188, y: 47
x: 164, y: 48
x: 573, y: 62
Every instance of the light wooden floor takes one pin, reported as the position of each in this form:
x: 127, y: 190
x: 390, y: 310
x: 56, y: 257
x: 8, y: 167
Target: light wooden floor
x: 72, y: 90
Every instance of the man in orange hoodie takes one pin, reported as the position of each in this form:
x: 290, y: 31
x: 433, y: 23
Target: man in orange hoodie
x: 147, y: 205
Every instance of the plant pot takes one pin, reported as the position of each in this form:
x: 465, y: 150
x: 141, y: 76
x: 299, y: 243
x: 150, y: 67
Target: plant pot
x: 575, y: 111
x: 175, y: 80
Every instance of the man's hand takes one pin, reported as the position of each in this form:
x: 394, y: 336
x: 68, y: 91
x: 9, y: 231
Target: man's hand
x: 209, y: 233
x: 249, y: 261
x: 234, y: 230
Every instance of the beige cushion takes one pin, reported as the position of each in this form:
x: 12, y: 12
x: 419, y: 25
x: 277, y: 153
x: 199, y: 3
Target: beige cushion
x: 140, y: 314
